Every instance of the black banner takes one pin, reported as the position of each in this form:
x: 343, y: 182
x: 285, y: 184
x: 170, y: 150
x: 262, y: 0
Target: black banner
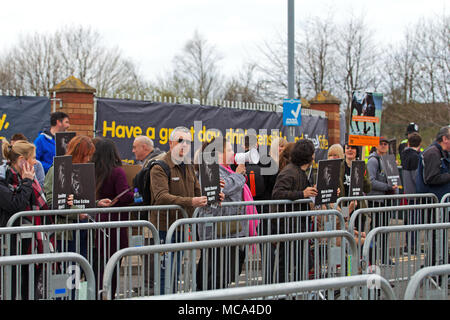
x: 123, y: 120
x: 27, y: 115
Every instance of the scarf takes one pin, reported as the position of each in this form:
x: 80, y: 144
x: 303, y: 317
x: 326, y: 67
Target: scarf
x: 247, y: 196
x: 38, y: 202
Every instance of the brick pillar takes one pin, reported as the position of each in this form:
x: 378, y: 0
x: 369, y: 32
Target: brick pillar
x: 77, y: 100
x: 324, y: 101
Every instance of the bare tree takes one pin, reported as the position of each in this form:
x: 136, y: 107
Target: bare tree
x: 244, y: 87
x: 402, y: 69
x: 272, y: 70
x: 316, y: 54
x: 196, y: 73
x: 41, y: 61
x: 356, y: 61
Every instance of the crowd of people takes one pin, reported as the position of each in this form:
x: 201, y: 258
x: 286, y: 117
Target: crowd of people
x: 27, y: 177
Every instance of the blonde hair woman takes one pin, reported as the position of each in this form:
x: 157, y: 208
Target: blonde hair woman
x: 276, y: 147
x: 20, y: 191
x: 336, y: 152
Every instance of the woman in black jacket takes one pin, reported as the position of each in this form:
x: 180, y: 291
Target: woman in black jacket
x: 20, y: 191
x: 13, y: 198
x: 292, y: 183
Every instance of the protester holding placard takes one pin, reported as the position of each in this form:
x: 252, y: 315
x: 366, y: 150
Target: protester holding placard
x: 234, y: 189
x: 110, y: 181
x: 292, y: 184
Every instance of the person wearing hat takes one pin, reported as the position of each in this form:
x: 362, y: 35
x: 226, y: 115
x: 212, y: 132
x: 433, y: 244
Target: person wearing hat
x: 412, y: 128
x: 378, y: 177
x: 380, y: 186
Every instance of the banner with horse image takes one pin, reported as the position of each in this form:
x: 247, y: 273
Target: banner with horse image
x: 365, y: 119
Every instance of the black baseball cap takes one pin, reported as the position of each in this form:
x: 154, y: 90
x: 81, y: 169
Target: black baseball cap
x: 384, y: 139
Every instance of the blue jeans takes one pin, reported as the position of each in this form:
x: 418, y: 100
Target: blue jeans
x: 162, y: 239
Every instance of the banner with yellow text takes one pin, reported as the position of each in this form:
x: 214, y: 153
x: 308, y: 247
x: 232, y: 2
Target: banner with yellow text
x: 123, y: 120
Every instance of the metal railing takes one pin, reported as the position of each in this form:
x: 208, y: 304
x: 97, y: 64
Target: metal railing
x: 445, y: 198
x: 431, y: 288
x: 183, y: 273
x: 49, y: 281
x: 396, y: 263
x: 222, y: 227
x: 364, y: 220
x: 97, y: 245
x: 350, y: 288
x: 101, y: 214
x: 391, y: 200
x: 262, y: 206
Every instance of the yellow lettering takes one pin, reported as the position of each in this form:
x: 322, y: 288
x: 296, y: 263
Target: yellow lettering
x: 106, y: 128
x: 150, y: 133
x: 163, y: 136
x: 120, y: 132
x: 137, y: 131
x: 210, y: 135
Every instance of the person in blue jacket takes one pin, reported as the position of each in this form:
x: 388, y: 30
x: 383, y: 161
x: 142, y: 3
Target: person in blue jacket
x: 45, y: 142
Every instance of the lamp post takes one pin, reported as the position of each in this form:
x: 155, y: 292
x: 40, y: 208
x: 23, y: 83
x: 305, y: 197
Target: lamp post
x: 291, y: 48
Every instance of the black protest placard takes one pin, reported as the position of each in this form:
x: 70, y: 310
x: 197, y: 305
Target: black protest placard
x: 389, y: 165
x: 393, y: 147
x: 83, y: 185
x: 356, y: 178
x: 62, y: 170
x: 209, y: 178
x: 327, y: 181
x: 61, y: 141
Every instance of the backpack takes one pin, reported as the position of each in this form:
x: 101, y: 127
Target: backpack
x: 422, y: 187
x: 142, y: 180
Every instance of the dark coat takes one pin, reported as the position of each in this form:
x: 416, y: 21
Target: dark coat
x: 367, y: 187
x: 112, y: 186
x: 290, y: 183
x: 11, y: 201
x: 182, y: 187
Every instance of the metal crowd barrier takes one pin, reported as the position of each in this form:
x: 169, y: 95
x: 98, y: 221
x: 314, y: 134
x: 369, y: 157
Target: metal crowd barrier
x: 349, y: 288
x: 422, y: 284
x: 262, y: 206
x: 222, y: 227
x: 47, y: 276
x: 227, y: 262
x: 390, y: 200
x: 397, y: 264
x: 364, y: 220
x: 445, y: 198
x: 100, y: 214
x: 97, y: 245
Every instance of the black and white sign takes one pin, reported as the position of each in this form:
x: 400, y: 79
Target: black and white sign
x: 209, y: 178
x: 389, y: 165
x: 83, y: 185
x: 62, y: 140
x: 327, y: 181
x: 356, y: 178
x: 62, y: 174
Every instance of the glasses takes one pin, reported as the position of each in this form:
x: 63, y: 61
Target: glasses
x: 181, y: 140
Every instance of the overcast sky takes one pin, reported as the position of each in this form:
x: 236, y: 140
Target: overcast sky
x: 151, y: 32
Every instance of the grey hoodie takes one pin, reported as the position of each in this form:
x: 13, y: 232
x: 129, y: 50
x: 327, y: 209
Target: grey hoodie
x: 377, y: 175
x: 234, y: 186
